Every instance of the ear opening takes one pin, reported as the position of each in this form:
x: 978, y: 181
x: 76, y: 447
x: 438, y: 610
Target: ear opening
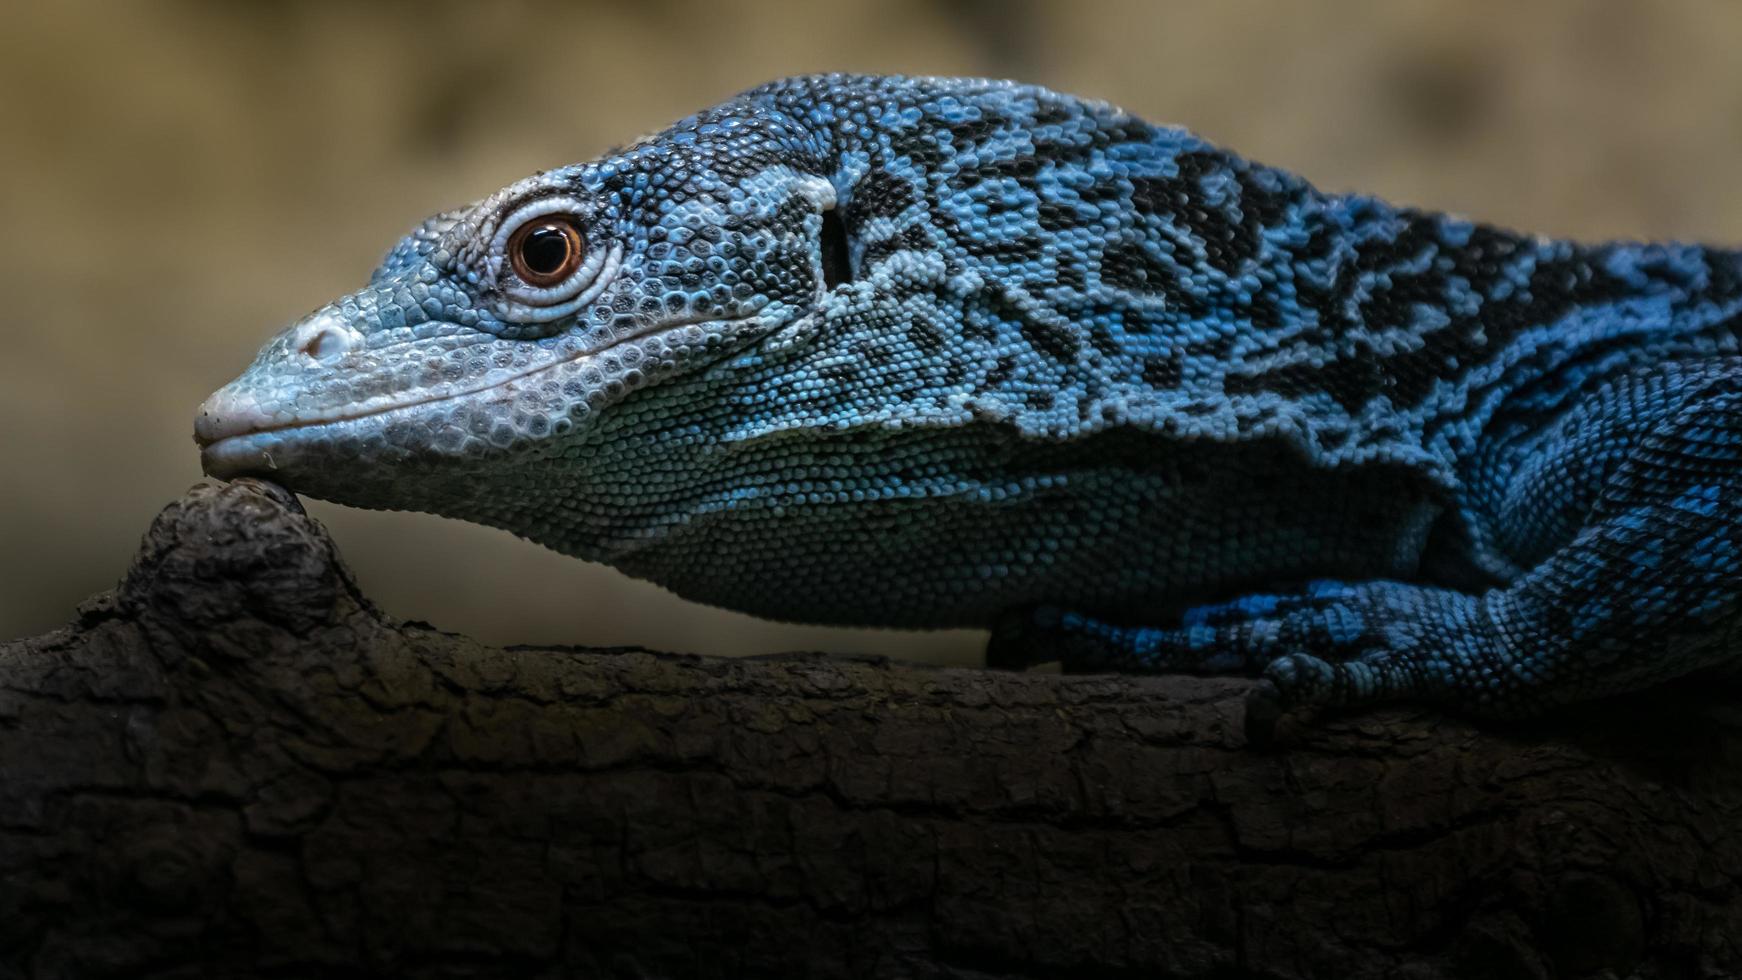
x: 837, y: 261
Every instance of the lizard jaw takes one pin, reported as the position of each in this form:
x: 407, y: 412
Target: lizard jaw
x: 237, y: 436
x: 234, y: 456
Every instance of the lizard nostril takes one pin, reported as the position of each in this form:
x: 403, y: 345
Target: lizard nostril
x: 323, y: 337
x: 326, y: 344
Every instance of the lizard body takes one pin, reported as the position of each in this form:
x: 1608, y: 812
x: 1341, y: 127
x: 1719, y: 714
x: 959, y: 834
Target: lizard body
x: 954, y: 352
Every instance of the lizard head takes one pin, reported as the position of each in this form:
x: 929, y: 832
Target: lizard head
x: 494, y: 336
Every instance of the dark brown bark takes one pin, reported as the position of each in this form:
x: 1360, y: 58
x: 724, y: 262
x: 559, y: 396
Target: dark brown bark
x: 235, y: 765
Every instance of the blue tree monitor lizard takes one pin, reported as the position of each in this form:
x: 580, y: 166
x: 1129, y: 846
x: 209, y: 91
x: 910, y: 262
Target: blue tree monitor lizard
x: 938, y: 352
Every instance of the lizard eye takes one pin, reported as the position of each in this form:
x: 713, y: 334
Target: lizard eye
x: 546, y: 250
x: 543, y: 268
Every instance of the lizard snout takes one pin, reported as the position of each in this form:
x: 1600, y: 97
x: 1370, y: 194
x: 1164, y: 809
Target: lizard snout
x: 222, y: 427
x: 228, y: 413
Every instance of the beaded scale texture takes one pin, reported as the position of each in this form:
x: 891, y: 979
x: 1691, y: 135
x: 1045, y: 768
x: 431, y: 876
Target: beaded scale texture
x: 942, y: 352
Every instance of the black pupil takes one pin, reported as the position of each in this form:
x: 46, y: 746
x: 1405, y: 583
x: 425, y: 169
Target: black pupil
x: 545, y: 250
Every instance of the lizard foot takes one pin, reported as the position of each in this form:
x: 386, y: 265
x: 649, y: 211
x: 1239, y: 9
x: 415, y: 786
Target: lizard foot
x: 1327, y: 645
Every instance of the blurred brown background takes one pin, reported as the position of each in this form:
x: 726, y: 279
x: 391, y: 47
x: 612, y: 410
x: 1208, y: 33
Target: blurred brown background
x: 180, y: 179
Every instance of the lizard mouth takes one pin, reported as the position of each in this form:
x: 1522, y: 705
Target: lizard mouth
x: 236, y: 437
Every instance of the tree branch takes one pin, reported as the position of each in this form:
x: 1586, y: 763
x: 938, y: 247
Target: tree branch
x: 234, y: 763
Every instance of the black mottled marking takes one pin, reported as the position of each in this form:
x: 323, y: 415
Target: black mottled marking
x: 1022, y: 168
x: 1128, y: 265
x: 914, y: 237
x: 1055, y: 217
x: 1051, y: 113
x: 1111, y: 192
x: 1263, y: 313
x: 879, y: 193
x: 1125, y: 265
x: 1061, y: 154
x: 1558, y: 284
x: 1058, y: 341
x: 1212, y: 347
x: 790, y: 213
x: 1001, y: 371
x: 1071, y: 275
x: 1143, y: 322
x: 1351, y: 381
x: 927, y: 336
x: 1557, y: 287
x: 925, y: 153
x: 874, y: 355
x: 1014, y: 251
x: 1722, y: 279
x: 843, y: 373
x: 1317, y: 248
x: 1163, y: 371
x: 978, y: 323
x: 965, y: 133
x: 911, y: 238
x: 1129, y: 129
x: 1229, y: 233
x: 1100, y: 325
x: 1159, y: 196
x: 955, y: 371
x: 1264, y: 199
x: 1410, y: 240
x: 947, y: 225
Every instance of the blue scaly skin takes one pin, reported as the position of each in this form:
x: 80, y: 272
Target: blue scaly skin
x: 938, y: 352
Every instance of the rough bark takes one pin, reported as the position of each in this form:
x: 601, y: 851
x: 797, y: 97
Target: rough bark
x: 235, y: 765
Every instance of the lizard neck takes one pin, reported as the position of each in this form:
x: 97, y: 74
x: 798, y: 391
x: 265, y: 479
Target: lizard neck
x: 1063, y: 268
